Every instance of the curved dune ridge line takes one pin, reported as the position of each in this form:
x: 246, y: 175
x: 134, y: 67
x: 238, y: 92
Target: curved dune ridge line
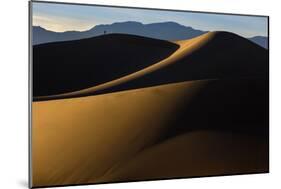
x: 186, y: 48
x: 75, y: 65
x: 79, y: 140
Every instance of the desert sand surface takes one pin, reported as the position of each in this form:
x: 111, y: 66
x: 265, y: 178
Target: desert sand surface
x: 78, y: 140
x: 201, y: 110
x: 110, y: 137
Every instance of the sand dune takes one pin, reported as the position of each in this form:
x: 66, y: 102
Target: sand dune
x: 202, y: 109
x: 214, y: 55
x: 75, y: 65
x: 77, y: 140
x: 107, y: 137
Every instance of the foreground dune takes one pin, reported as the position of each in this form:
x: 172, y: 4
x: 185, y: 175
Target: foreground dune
x: 132, y: 135
x: 77, y: 140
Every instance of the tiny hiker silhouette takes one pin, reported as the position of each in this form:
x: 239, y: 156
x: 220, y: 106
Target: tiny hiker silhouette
x: 104, y: 32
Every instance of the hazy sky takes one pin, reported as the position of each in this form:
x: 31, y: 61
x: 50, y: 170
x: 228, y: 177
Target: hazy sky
x: 65, y: 17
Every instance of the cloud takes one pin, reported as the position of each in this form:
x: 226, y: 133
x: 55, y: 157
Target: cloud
x: 61, y: 24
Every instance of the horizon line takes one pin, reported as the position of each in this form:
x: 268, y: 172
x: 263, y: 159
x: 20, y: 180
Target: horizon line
x: 140, y: 23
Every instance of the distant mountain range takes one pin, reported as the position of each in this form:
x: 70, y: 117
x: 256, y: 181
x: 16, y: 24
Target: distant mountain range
x: 260, y: 40
x: 165, y: 30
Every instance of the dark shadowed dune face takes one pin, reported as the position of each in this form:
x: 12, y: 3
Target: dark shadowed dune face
x: 235, y: 105
x: 75, y: 65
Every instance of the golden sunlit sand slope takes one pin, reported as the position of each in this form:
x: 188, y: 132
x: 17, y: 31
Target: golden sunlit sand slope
x: 133, y: 135
x: 78, y: 140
